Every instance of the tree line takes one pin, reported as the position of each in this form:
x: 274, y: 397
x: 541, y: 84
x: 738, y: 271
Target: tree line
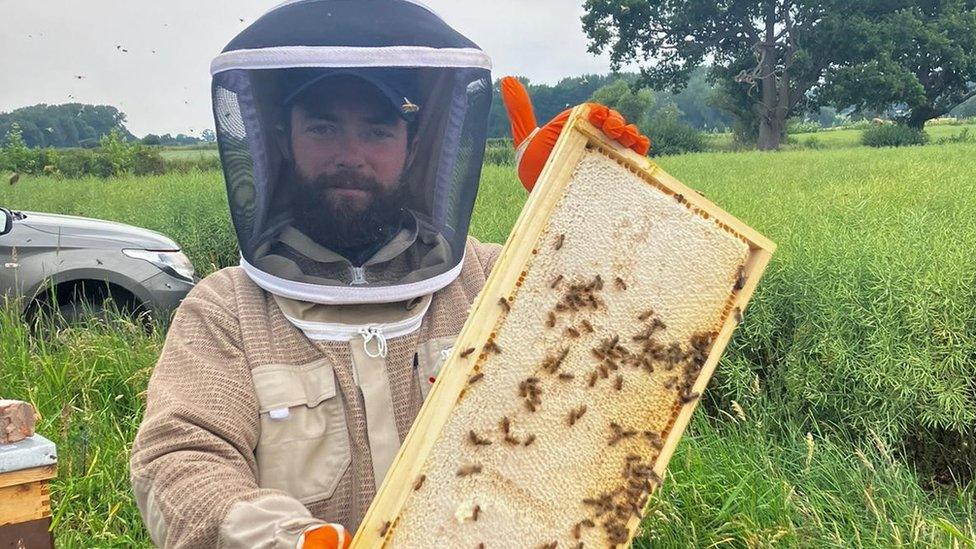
x: 774, y: 59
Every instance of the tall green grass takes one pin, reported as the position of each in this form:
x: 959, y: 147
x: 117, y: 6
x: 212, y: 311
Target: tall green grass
x: 862, y: 334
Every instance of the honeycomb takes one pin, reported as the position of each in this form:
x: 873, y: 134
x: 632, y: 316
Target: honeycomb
x: 567, y: 415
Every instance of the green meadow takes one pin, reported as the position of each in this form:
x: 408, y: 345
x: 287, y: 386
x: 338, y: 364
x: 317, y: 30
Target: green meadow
x: 843, y: 413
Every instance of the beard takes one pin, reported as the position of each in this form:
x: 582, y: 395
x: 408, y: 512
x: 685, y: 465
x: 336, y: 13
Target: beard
x: 323, y: 216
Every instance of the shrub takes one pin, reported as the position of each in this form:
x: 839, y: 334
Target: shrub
x: 15, y: 155
x: 500, y: 155
x: 961, y: 137
x: 669, y: 135
x: 893, y: 135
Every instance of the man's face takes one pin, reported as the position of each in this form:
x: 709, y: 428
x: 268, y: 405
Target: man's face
x: 350, y: 148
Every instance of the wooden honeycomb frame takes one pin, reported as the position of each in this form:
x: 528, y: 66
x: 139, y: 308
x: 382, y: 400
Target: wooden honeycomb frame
x: 500, y: 296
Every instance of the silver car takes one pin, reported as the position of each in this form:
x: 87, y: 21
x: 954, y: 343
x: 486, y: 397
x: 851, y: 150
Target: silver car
x: 82, y: 265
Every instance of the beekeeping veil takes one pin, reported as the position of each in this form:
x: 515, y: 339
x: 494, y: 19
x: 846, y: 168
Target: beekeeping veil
x: 435, y: 78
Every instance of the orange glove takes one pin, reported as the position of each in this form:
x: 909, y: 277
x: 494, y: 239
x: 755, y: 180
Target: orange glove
x: 534, y: 144
x: 328, y: 536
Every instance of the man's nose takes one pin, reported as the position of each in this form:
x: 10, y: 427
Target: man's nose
x: 352, y: 154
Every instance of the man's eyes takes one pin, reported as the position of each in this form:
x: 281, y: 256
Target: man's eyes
x: 375, y: 133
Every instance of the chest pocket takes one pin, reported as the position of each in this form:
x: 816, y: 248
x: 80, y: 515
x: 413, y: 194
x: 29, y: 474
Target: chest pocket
x: 431, y: 357
x: 304, y: 444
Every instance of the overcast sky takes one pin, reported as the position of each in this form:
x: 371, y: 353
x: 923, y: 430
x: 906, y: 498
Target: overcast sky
x: 162, y: 81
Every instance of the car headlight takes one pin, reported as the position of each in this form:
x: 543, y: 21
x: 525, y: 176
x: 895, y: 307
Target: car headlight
x: 175, y: 263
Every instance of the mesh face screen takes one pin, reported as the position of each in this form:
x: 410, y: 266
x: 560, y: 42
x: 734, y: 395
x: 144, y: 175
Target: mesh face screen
x: 439, y: 183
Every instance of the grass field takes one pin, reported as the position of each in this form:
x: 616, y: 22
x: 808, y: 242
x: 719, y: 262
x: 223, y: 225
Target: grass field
x: 857, y: 354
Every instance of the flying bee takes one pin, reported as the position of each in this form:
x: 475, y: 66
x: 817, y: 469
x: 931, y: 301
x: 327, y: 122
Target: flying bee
x: 384, y: 529
x: 419, y: 482
x: 475, y: 378
x: 740, y: 279
x: 555, y: 282
x: 468, y: 470
x: 559, y: 241
x: 619, y: 282
x: 529, y: 440
x: 466, y: 352
x: 619, y: 383
x: 587, y: 326
x: 505, y: 304
x: 477, y: 440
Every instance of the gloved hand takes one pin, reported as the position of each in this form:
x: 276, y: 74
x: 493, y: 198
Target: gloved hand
x: 534, y: 144
x: 328, y: 536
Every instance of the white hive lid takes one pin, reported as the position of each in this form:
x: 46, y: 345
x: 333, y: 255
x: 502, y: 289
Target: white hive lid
x: 35, y: 451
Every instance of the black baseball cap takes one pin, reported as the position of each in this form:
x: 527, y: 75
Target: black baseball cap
x: 399, y: 86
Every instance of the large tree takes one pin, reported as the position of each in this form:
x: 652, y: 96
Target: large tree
x: 764, y: 55
x: 922, y: 57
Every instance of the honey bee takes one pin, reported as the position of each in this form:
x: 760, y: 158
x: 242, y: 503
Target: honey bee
x: 529, y: 440
x: 530, y: 406
x: 619, y: 383
x: 466, y: 352
x: 475, y: 378
x: 654, y: 439
x: 555, y: 282
x: 598, y: 283
x: 619, y: 282
x: 505, y: 424
x: 480, y: 546
x: 603, y: 370
x: 512, y: 440
x: 565, y: 376
x: 551, y: 323
x: 475, y: 512
x: 477, y: 440
x: 493, y: 347
x: 592, y: 380
x: 384, y: 529
x: 550, y: 545
x: 679, y: 197
x: 740, y: 279
x: 419, y: 482
x: 559, y: 241
x: 738, y: 314
x: 687, y: 397
x: 587, y: 326
x: 572, y: 332
x: 468, y: 470
x: 505, y: 304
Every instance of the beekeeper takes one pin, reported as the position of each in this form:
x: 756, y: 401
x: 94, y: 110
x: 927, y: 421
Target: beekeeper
x: 351, y: 136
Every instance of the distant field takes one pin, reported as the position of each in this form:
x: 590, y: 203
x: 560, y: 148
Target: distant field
x: 850, y: 379
x: 187, y: 154
x: 838, y: 139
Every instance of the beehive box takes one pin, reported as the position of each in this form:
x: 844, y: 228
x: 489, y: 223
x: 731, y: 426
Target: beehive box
x: 580, y: 364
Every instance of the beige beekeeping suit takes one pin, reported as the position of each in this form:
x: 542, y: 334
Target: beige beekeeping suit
x: 266, y: 416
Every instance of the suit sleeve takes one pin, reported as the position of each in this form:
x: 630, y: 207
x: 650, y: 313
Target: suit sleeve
x: 192, y: 466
